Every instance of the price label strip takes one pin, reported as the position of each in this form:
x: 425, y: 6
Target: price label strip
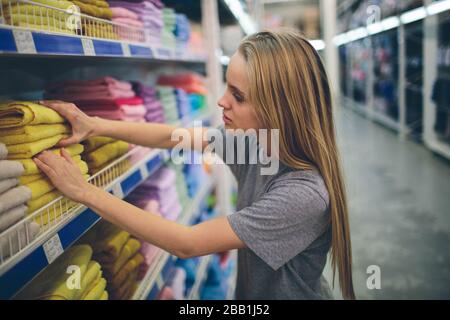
x: 126, y: 50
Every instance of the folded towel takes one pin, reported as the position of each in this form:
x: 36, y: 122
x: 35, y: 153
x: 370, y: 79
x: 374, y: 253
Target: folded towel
x: 22, y: 113
x: 32, y: 133
x: 97, y: 291
x: 129, y: 250
x: 42, y: 186
x: 106, y: 153
x: 31, y: 168
x: 10, y: 217
x: 110, y: 248
x: 10, y: 169
x: 91, y: 285
x: 131, y: 266
x: 83, y: 85
x: 128, y: 287
x: 52, y: 282
x: 104, y: 296
x: 42, y: 201
x: 61, y: 4
x: 92, y: 273
x: 30, y: 149
x: 3, y: 151
x: 31, y: 178
x: 119, y: 12
x: 96, y: 142
x: 14, y: 197
x: 8, y: 184
x: 17, y: 240
x: 55, y: 211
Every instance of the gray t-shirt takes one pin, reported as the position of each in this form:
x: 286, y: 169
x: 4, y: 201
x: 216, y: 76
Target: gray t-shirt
x: 284, y: 221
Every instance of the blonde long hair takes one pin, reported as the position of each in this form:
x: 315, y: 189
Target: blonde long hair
x: 290, y: 88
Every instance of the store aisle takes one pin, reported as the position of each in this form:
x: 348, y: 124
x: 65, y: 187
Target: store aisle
x: 399, y: 205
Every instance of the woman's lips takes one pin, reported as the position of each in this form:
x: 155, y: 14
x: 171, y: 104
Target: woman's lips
x: 226, y: 119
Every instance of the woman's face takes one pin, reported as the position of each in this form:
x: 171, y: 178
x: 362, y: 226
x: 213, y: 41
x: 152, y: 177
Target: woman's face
x: 238, y: 113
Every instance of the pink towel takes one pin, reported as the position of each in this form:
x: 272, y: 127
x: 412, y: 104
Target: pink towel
x: 129, y: 22
x: 109, y: 114
x: 134, y: 111
x: 109, y: 104
x: 106, y: 81
x: 118, y: 12
x: 108, y: 94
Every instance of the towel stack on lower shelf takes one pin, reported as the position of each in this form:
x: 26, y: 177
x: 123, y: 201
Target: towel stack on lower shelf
x: 102, y: 151
x: 27, y: 128
x: 73, y: 276
x: 13, y: 200
x: 118, y: 253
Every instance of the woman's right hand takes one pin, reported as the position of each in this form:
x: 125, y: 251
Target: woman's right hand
x: 83, y: 126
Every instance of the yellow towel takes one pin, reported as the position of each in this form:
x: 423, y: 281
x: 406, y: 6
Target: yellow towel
x: 106, y: 153
x: 30, y: 149
x: 42, y: 21
x: 91, y: 285
x: 54, y: 213
x: 42, y: 201
x: 42, y: 186
x: 99, y: 31
x: 92, y: 273
x: 30, y: 178
x: 104, y: 296
x: 22, y: 113
x: 119, y: 170
x: 32, y: 169
x: 94, y: 143
x: 98, y: 3
x: 61, y: 4
x: 97, y: 291
x: 93, y: 10
x: 132, y: 265
x: 129, y: 250
x: 32, y: 133
x: 52, y: 282
x: 30, y: 9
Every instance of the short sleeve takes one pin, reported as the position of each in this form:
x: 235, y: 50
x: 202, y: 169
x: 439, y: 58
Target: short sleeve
x: 286, y: 219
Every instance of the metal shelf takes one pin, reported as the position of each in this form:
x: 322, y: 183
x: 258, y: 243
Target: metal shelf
x: 119, y: 178
x: 158, y: 273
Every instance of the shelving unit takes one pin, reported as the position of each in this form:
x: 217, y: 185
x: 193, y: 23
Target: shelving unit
x: 200, y: 277
x: 425, y: 21
x: 19, y: 45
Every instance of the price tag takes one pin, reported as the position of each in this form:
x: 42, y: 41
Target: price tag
x: 126, y: 50
x: 24, y: 41
x: 53, y: 248
x: 117, y: 190
x: 88, y: 47
x: 144, y: 171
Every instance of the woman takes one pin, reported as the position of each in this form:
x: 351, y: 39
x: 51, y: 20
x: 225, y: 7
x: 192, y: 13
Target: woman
x: 286, y: 222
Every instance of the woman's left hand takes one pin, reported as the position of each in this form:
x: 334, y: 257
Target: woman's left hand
x: 64, y: 174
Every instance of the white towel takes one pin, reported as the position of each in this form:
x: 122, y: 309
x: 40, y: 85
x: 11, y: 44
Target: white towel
x: 7, y: 184
x: 3, y: 151
x: 13, y: 241
x: 11, y: 216
x: 10, y: 169
x: 14, y: 197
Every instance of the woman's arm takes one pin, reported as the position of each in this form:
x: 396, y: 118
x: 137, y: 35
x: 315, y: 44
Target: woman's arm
x: 145, y: 134
x: 212, y: 236
x: 184, y: 242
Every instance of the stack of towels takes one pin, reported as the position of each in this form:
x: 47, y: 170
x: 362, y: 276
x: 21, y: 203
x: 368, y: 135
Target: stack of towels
x: 149, y: 14
x: 131, y: 20
x: 94, y: 8
x: 181, y: 184
x: 118, y: 253
x: 161, y: 187
x: 148, y: 94
x: 34, y: 17
x: 169, y: 102
x: 183, y: 104
x: 105, y: 97
x: 182, y: 30
x: 27, y: 128
x: 55, y: 283
x: 13, y: 199
x: 101, y: 151
x: 192, y: 84
x: 168, y: 33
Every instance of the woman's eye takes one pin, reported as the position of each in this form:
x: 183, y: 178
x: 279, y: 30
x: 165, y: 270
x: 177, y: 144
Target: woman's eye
x: 238, y: 98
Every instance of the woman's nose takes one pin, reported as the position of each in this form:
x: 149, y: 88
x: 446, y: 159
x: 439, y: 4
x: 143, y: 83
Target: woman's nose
x: 222, y: 103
